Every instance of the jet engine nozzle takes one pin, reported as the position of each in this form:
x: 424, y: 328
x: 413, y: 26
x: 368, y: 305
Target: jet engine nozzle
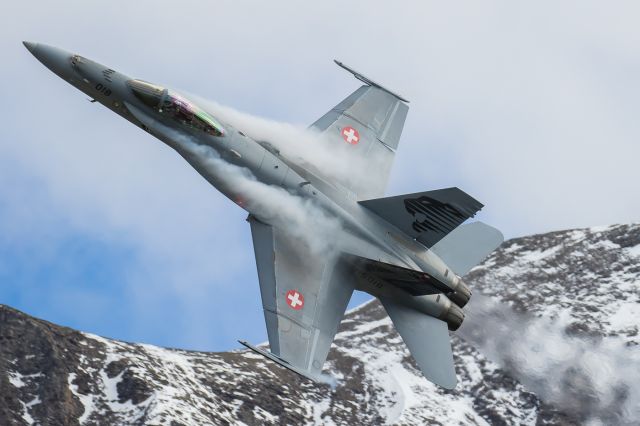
x: 453, y: 316
x: 461, y: 294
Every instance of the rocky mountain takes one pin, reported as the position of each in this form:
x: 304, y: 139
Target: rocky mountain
x: 559, y: 304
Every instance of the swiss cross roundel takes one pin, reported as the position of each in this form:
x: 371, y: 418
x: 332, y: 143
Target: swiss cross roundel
x: 350, y: 135
x: 294, y: 299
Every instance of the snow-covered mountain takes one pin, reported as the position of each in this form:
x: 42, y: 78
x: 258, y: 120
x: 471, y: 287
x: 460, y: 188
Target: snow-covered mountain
x: 572, y: 337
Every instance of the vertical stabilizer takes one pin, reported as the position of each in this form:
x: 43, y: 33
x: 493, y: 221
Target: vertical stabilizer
x: 467, y: 246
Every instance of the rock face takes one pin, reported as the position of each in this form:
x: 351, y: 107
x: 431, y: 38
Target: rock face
x: 52, y: 375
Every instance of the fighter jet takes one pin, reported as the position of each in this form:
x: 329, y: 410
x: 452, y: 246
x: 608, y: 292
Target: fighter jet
x: 409, y: 251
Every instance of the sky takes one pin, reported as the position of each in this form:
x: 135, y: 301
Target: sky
x: 530, y: 108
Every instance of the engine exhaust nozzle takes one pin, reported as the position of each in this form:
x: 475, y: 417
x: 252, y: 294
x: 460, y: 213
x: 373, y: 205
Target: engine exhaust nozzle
x: 453, y: 316
x: 461, y: 295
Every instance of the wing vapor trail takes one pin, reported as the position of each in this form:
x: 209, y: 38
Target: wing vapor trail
x: 297, y: 143
x: 298, y: 216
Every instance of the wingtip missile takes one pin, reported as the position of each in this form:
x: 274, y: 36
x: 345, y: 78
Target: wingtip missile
x: 367, y: 80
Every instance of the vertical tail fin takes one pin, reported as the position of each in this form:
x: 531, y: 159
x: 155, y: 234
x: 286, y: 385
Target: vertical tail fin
x: 467, y: 246
x: 428, y: 341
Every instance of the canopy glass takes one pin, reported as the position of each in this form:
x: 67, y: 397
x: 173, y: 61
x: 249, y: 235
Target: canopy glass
x: 179, y: 108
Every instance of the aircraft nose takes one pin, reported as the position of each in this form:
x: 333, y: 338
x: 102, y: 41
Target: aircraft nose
x: 57, y: 60
x: 31, y: 47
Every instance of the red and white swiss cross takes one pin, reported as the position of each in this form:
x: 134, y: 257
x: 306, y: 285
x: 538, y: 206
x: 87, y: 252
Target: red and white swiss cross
x: 294, y: 299
x: 350, y: 135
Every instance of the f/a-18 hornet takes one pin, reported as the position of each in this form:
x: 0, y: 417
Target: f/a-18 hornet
x: 409, y: 251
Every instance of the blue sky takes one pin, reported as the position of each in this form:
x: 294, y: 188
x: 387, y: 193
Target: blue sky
x: 529, y: 108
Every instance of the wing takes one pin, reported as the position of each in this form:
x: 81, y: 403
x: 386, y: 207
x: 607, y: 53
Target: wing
x: 366, y: 129
x: 303, y: 296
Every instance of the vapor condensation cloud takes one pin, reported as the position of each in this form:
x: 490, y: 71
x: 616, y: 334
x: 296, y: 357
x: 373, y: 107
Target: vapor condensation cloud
x: 596, y: 380
x: 297, y: 216
x: 332, y: 161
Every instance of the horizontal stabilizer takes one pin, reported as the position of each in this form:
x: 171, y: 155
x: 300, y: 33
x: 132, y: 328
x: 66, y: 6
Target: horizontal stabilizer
x: 467, y: 246
x: 426, y: 216
x: 428, y: 341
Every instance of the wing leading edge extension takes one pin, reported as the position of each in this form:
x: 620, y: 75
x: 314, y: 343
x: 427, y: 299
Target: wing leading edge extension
x: 303, y: 296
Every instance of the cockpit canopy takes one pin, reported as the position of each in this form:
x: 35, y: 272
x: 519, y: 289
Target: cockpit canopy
x: 171, y: 104
x: 149, y: 94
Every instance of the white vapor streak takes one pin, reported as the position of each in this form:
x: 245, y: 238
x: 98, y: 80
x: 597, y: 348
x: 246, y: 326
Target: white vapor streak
x: 297, y: 216
x: 312, y: 148
x: 593, y: 380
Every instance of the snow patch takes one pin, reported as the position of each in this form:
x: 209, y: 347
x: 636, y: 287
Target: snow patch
x: 18, y: 380
x: 318, y: 409
x: 627, y: 315
x: 633, y: 251
x: 537, y: 255
x: 15, y: 379
x: 26, y: 416
x: 86, y: 400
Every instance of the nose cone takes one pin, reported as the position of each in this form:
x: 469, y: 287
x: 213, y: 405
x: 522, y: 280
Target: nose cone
x: 31, y: 47
x: 57, y: 60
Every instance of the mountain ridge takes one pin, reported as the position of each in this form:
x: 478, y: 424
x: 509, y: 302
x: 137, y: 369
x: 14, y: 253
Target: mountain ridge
x: 56, y: 375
